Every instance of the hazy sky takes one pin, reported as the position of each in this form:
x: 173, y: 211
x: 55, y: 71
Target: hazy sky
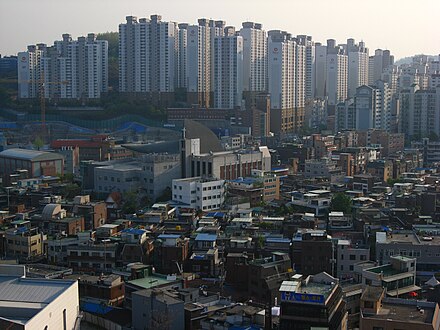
x: 406, y: 27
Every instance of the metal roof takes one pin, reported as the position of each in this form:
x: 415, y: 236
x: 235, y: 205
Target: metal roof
x: 31, y: 290
x: 27, y: 154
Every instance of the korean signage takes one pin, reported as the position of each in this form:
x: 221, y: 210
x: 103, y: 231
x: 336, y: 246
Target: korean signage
x: 302, y: 297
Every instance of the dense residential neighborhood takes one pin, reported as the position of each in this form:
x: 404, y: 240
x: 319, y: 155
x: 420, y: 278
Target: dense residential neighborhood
x: 272, y: 182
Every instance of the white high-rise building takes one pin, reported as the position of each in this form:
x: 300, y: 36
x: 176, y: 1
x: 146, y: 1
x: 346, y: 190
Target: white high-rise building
x: 228, y: 70
x: 281, y: 52
x: 254, y: 57
x: 337, y: 73
x: 420, y: 111
x: 29, y: 64
x: 67, y: 70
x: 320, y: 71
x: 358, y: 61
x: 182, y: 56
x: 381, y: 60
x: 148, y: 55
x: 309, y: 65
x: 373, y: 107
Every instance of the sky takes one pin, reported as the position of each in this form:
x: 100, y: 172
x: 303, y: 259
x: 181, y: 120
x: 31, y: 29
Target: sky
x: 405, y: 27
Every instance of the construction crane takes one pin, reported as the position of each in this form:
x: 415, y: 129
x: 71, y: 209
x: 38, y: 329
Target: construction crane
x: 41, y: 91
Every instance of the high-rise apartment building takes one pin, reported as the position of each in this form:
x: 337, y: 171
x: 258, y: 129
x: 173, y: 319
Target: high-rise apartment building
x: 373, y: 107
x: 228, y: 70
x: 309, y: 45
x: 148, y: 56
x: 357, y: 65
x: 337, y: 73
x: 381, y: 60
x: 286, y: 81
x: 420, y: 111
x: 254, y: 57
x: 320, y: 71
x: 67, y: 70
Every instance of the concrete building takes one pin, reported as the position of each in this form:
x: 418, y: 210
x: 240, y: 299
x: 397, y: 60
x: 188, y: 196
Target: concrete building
x: 317, y: 201
x: 228, y: 70
x: 310, y: 82
x: 358, y: 60
x: 30, y: 303
x: 151, y: 174
x: 24, y: 243
x: 422, y: 246
x: 266, y: 276
x: 380, y: 61
x: 69, y: 69
x: 398, y: 277
x: 254, y: 58
x: 347, y: 255
x: 286, y: 75
x: 228, y: 165
x: 195, y: 63
x: 199, y: 193
x: 337, y: 73
x: 147, y: 57
x: 156, y: 308
x: 322, y: 168
x: 313, y: 252
x: 37, y: 163
x: 379, y: 312
x: 315, y: 301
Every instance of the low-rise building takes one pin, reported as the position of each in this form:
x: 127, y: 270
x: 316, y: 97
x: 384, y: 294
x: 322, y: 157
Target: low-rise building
x: 397, y: 278
x: 199, y: 193
x: 379, y: 312
x: 24, y: 243
x: 36, y: 303
x: 347, y: 255
x: 317, y: 201
x: 312, y: 302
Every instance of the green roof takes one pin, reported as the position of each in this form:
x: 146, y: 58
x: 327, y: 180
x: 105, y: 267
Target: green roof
x: 149, y: 282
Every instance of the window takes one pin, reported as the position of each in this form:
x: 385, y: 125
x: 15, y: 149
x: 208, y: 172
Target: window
x: 352, y: 257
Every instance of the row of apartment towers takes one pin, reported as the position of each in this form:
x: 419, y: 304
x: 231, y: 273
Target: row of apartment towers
x: 209, y: 63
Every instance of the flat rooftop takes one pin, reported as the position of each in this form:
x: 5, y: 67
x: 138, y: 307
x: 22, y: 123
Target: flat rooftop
x: 152, y: 281
x: 404, y: 313
x: 412, y: 238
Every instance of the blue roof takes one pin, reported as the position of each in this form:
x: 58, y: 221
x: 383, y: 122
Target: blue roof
x: 165, y: 236
x: 216, y: 214
x: 95, y: 308
x: 134, y: 231
x: 206, y: 237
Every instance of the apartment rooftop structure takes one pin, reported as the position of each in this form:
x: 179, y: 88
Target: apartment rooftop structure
x: 397, y: 278
x: 317, y: 201
x: 422, y: 243
x: 31, y: 303
x: 380, y: 312
x: 314, y: 301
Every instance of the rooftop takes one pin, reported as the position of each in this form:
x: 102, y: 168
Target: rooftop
x: 23, y: 298
x: 152, y: 281
x: 408, y: 311
x: 206, y: 237
x: 27, y: 154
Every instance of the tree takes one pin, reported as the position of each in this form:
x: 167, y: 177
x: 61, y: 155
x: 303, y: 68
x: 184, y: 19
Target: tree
x: 38, y: 143
x: 341, y: 203
x: 71, y: 190
x: 130, y: 203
